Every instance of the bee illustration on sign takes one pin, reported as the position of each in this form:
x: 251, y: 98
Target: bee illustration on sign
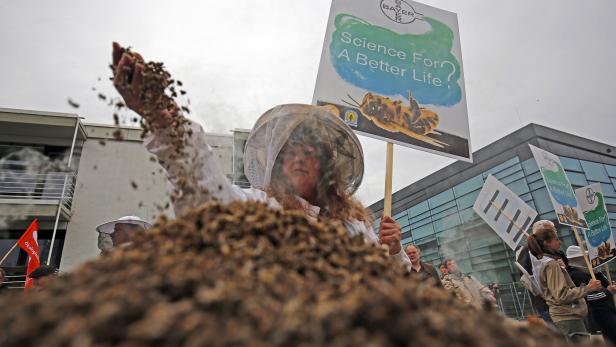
x: 350, y: 118
x: 393, y: 116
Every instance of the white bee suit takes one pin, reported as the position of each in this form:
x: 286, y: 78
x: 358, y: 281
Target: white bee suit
x: 267, y: 138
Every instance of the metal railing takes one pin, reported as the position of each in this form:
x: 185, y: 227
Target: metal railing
x: 15, y: 282
x: 514, y: 300
x: 17, y: 184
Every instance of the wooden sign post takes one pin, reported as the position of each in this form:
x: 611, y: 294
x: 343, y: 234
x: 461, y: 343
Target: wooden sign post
x: 579, y: 241
x: 389, y: 162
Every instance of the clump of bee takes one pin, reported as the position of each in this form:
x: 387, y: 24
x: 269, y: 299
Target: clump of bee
x: 386, y: 111
x: 245, y: 275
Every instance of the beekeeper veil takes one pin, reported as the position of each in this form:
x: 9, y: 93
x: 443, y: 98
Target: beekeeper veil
x: 274, y: 128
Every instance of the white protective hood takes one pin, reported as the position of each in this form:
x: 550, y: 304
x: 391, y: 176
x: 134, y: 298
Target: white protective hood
x: 273, y: 129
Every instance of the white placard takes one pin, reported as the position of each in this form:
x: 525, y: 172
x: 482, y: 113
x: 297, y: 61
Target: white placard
x: 599, y: 236
x: 392, y: 70
x: 507, y: 214
x: 559, y: 188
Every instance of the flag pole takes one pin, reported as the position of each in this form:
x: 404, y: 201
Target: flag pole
x: 9, y: 252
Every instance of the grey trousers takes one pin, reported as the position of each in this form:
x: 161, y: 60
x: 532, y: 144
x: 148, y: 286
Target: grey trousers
x: 574, y: 330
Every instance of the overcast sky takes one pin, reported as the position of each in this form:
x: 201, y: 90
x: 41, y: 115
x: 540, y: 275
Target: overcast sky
x: 550, y: 62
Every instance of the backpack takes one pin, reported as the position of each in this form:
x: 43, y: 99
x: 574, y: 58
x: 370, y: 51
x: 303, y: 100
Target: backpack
x: 529, y: 281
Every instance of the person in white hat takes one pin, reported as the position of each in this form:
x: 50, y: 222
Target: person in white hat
x: 120, y: 231
x: 600, y: 304
x: 297, y: 157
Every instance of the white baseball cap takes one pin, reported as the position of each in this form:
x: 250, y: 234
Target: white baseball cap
x: 108, y: 227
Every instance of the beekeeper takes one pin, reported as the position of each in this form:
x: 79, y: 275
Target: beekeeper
x: 120, y: 231
x: 297, y: 157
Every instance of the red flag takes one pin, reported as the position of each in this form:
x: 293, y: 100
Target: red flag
x: 29, y: 243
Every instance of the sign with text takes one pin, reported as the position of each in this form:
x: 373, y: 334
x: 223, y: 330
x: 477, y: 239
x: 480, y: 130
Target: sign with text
x: 599, y: 237
x: 392, y: 69
x: 559, y: 189
x: 507, y: 214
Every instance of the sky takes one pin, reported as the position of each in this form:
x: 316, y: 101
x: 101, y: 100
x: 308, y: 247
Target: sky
x: 549, y: 62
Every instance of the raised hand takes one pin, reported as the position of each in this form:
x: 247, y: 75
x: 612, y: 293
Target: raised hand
x: 142, y: 87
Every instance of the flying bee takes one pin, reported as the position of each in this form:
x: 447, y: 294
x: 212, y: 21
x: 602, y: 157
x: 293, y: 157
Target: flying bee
x: 420, y: 120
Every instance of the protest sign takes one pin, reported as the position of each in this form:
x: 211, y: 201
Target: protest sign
x: 559, y: 189
x: 599, y: 237
x: 507, y: 214
x: 392, y: 70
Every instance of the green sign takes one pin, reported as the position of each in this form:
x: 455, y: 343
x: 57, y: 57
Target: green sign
x: 561, y: 194
x: 599, y: 237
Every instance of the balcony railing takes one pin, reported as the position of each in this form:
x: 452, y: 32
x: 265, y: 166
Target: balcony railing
x: 22, y: 185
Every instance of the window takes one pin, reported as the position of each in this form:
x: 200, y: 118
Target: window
x: 441, y: 198
x: 421, y: 217
x: 514, y: 177
x: 403, y: 221
x: 611, y: 170
x: 402, y: 218
x: 577, y: 179
x: 530, y: 166
x: 571, y: 164
x: 467, y: 200
x: 19, y: 257
x: 526, y: 197
x: 519, y: 187
x: 536, y: 185
x: 595, y: 171
x: 542, y: 201
x: 534, y: 177
x: 468, y: 215
x: 502, y: 166
x: 400, y: 214
x: 608, y: 190
x: 468, y: 186
x: 405, y: 241
x: 508, y: 171
x: 549, y: 216
x: 444, y: 213
x: 447, y: 222
x: 444, y: 207
x: 423, y: 231
x: 419, y: 208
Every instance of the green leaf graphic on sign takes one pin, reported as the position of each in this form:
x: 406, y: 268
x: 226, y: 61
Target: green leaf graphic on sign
x: 389, y: 63
x: 559, y: 186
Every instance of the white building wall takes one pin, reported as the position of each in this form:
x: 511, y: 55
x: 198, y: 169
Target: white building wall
x: 104, y: 189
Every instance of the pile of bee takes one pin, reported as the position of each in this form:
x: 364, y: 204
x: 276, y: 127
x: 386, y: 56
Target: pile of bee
x: 245, y: 275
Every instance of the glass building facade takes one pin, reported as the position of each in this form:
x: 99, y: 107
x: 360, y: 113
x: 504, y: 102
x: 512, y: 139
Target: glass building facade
x: 443, y: 224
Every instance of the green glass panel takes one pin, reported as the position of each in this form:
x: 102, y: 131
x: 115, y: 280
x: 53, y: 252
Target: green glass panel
x: 468, y: 186
x: 571, y: 164
x: 595, y: 171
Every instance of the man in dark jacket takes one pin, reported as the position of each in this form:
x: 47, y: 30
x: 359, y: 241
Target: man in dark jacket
x: 420, y: 269
x: 600, y: 304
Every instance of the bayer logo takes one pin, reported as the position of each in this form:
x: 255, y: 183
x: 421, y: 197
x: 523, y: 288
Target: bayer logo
x: 590, y: 196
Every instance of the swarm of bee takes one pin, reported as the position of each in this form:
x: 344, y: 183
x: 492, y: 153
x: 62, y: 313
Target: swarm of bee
x: 162, y: 92
x: 245, y: 275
